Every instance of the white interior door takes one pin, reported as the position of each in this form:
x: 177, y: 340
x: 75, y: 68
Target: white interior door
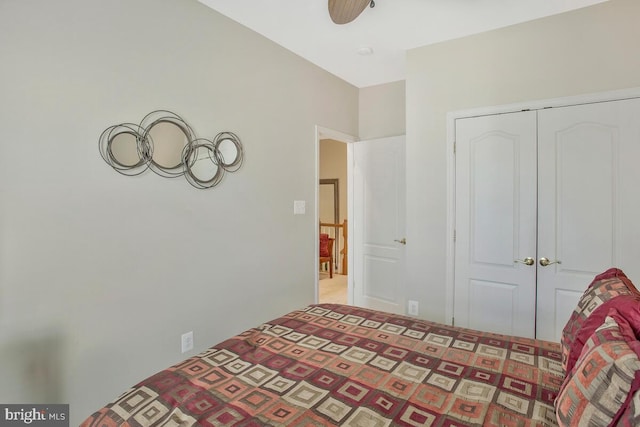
x: 495, y: 290
x: 379, y: 224
x: 588, y: 201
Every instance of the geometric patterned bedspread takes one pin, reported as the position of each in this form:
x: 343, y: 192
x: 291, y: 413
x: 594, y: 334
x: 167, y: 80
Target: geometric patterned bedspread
x: 332, y: 364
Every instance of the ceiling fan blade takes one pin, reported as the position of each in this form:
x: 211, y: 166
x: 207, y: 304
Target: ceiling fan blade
x: 345, y: 11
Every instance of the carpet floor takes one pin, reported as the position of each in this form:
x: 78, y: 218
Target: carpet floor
x: 332, y: 290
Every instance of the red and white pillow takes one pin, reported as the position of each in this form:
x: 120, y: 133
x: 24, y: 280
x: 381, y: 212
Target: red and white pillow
x: 601, y: 356
x: 605, y: 377
x: 604, y: 287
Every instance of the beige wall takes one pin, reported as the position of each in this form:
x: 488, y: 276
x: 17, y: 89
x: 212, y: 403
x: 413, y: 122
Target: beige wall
x: 382, y: 110
x: 588, y: 50
x: 108, y: 271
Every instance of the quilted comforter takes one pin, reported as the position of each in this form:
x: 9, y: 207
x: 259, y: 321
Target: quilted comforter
x: 332, y: 364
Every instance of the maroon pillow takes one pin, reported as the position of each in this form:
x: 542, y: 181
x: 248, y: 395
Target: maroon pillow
x: 605, y: 286
x: 617, y: 273
x: 600, y: 388
x: 324, y: 245
x: 627, y: 305
x: 612, y: 272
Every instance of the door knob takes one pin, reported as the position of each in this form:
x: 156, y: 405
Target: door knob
x: 528, y: 261
x: 545, y: 261
x: 403, y: 240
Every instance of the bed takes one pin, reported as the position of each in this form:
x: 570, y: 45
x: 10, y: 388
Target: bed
x: 331, y: 364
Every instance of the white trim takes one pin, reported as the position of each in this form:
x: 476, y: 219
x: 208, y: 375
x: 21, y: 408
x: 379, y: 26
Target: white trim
x: 615, y: 95
x: 351, y: 223
x: 451, y: 222
x: 326, y: 133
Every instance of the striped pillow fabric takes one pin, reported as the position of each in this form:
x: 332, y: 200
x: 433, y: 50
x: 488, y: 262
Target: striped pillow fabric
x: 598, y: 391
x: 604, y: 287
x: 627, y: 305
x: 631, y: 415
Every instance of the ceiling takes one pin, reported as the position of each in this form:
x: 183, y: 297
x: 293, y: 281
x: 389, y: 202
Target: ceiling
x: 389, y: 29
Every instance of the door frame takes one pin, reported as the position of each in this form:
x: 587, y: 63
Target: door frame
x: 452, y: 116
x: 326, y: 133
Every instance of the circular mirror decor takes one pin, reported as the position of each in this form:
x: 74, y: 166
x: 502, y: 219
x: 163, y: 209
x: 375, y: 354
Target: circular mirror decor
x: 166, y: 144
x: 168, y: 133
x: 229, y: 150
x: 124, y: 149
x: 202, y: 169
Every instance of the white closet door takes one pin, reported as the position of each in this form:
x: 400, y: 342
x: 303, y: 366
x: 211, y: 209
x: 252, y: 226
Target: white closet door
x: 496, y: 223
x: 588, y: 202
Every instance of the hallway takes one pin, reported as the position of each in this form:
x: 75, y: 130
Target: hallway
x: 332, y: 290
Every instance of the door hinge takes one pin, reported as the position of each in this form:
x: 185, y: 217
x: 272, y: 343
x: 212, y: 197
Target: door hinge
x: 454, y: 147
x: 454, y: 235
x: 453, y: 321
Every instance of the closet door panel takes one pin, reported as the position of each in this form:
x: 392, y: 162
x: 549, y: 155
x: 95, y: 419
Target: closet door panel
x: 493, y: 198
x: 584, y: 176
x: 585, y: 184
x: 496, y: 223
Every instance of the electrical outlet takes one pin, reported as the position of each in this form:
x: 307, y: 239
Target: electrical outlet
x: 413, y: 308
x: 187, y: 341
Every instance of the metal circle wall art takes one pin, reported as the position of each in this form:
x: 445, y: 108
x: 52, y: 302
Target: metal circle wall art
x: 124, y: 149
x: 201, y: 166
x: 166, y: 144
x: 229, y: 149
x: 168, y: 133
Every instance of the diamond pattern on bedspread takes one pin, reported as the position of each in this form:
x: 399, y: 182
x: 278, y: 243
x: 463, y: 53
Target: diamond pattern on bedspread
x: 339, y: 365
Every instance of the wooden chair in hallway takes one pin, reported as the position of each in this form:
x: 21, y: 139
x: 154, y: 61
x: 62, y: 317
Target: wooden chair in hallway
x: 326, y: 251
x: 340, y: 246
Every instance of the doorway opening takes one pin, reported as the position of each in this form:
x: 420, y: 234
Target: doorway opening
x: 333, y: 201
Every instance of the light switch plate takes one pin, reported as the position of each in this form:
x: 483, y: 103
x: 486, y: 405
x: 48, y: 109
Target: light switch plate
x: 299, y: 207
